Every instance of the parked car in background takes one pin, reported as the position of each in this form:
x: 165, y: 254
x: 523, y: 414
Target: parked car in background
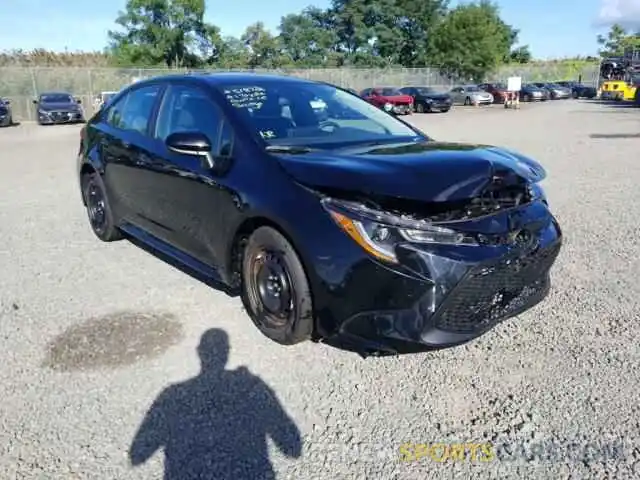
x: 498, y: 90
x: 390, y: 99
x: 58, y: 107
x: 579, y: 90
x: 532, y: 93
x: 6, y: 114
x: 427, y: 99
x: 556, y: 92
x: 367, y: 235
x: 470, y: 95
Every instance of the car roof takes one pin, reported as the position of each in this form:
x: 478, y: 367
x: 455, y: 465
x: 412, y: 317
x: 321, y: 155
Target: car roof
x: 226, y: 78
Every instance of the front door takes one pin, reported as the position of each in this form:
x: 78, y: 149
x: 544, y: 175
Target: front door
x: 188, y: 195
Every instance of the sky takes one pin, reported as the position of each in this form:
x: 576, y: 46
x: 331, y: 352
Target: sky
x: 551, y: 28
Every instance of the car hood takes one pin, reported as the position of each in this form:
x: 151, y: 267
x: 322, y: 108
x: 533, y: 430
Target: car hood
x: 428, y: 171
x: 47, y: 107
x: 397, y: 98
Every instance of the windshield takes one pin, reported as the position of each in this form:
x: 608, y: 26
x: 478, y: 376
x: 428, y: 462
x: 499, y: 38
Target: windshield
x: 500, y: 86
x: 288, y: 113
x: 472, y: 88
x: 56, y: 98
x: 426, y: 90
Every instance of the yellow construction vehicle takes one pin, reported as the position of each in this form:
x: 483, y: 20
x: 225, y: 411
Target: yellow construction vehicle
x: 620, y: 76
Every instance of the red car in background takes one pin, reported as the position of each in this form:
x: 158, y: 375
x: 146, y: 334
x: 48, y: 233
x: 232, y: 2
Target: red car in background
x: 498, y: 90
x: 390, y: 99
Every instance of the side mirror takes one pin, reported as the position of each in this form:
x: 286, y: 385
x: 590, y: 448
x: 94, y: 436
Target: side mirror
x: 189, y: 143
x: 78, y: 99
x: 35, y: 102
x: 197, y: 144
x: 7, y: 101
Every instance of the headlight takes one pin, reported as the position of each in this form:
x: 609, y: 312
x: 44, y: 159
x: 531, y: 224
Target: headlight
x: 388, y: 107
x: 379, y: 233
x: 42, y: 112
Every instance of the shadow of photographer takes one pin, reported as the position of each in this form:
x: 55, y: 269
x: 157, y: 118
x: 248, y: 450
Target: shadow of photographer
x: 215, y: 425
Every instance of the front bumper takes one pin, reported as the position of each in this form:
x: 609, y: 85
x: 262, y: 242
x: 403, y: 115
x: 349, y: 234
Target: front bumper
x: 402, y: 109
x: 5, y: 119
x: 60, y: 117
x: 438, y: 104
x: 452, y: 294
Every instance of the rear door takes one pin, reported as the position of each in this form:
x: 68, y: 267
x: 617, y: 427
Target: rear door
x: 124, y: 147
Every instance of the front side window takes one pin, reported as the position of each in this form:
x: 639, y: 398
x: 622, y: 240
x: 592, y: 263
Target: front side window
x: 313, y: 115
x: 133, y: 111
x: 188, y: 109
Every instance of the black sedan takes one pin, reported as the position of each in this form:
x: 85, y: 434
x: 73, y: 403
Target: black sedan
x: 6, y: 115
x: 361, y: 232
x: 427, y: 99
x: 58, y: 107
x: 579, y: 90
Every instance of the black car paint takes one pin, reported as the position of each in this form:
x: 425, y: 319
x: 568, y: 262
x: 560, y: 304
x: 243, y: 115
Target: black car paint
x: 430, y: 100
x: 58, y: 112
x: 176, y: 205
x: 6, y: 113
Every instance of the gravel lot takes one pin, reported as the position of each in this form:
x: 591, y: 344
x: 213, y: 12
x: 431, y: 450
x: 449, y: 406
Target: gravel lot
x: 94, y: 334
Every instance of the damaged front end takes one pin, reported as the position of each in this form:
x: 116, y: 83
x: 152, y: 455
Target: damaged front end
x: 474, y: 262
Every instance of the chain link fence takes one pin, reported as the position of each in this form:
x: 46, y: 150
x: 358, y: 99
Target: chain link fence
x: 22, y: 84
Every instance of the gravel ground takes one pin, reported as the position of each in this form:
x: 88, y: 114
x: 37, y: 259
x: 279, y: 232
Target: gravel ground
x: 96, y: 336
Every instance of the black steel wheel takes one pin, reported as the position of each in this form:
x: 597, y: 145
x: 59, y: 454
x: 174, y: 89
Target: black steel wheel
x: 98, y: 209
x: 275, y: 289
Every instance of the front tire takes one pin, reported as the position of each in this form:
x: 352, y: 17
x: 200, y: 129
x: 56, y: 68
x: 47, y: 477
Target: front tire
x: 275, y: 289
x: 98, y: 208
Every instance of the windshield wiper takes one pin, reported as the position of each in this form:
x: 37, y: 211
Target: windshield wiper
x: 288, y: 149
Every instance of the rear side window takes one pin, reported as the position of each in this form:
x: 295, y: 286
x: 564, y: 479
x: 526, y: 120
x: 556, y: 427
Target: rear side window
x: 133, y: 111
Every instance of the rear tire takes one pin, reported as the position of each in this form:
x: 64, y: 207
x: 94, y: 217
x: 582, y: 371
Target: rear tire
x: 98, y: 208
x: 275, y: 288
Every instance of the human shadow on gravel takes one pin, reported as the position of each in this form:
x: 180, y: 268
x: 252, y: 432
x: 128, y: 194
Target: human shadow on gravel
x: 215, y: 425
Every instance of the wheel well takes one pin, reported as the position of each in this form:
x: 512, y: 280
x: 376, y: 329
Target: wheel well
x: 240, y: 240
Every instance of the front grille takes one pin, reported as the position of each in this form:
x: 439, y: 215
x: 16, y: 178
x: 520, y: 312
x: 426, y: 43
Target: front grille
x: 60, y: 116
x: 491, y: 293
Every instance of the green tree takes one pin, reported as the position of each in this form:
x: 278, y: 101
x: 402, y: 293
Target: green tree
x: 520, y: 55
x: 616, y: 40
x: 471, y: 41
x: 307, y: 37
x: 169, y: 32
x: 417, y: 22
x: 265, y: 49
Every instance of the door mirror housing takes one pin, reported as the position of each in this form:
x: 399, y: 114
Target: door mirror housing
x: 78, y: 100
x: 197, y: 144
x: 35, y: 101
